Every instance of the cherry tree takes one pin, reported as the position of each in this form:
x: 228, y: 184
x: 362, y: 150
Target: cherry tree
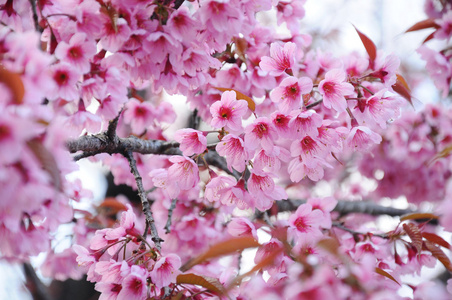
x: 274, y: 120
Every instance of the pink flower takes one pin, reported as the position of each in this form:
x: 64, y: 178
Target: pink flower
x: 228, y: 112
x: 271, y: 162
x: 78, y: 52
x: 215, y: 187
x: 139, y: 115
x: 242, y: 227
x: 237, y: 156
x: 114, y: 35
x: 108, y: 290
x: 166, y: 270
x: 160, y: 179
x: 281, y: 59
x: 326, y: 205
x: 260, y: 133
x: 289, y: 93
x: 361, y: 138
x: 65, y: 77
x: 134, y: 285
x: 181, y: 25
x: 334, y: 89
x: 269, y: 248
x: 298, y: 169
x: 439, y: 68
x: 377, y: 110
x: 305, y: 123
x: 281, y: 123
x: 191, y: 141
x: 305, y: 223
x: 386, y: 69
x: 445, y: 30
x: 237, y: 195
x: 309, y: 149
x: 264, y: 191
x: 184, y: 172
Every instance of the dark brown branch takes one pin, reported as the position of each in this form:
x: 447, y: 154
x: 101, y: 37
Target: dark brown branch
x: 345, y: 207
x: 150, y: 223
x: 309, y: 106
x: 178, y: 3
x: 101, y: 143
x: 170, y: 215
x: 35, y: 15
x: 355, y: 233
x: 37, y: 289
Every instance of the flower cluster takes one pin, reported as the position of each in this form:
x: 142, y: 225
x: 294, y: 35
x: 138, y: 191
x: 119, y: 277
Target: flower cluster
x: 285, y: 119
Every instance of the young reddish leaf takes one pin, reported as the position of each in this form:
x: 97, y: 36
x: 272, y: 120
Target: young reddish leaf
x: 429, y: 37
x: 415, y: 216
x: 111, y: 206
x: 369, y: 45
x: 47, y: 160
x: 210, y: 283
x: 329, y: 244
x: 431, y: 237
x: 14, y: 83
x: 240, y: 96
x: 443, y: 153
x: 386, y: 274
x: 267, y: 261
x: 415, y: 235
x: 401, y: 87
x: 439, y: 254
x: 222, y: 248
x: 428, y: 23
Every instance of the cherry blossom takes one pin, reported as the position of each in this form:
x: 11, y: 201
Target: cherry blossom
x: 334, y: 89
x: 228, y: 112
x: 282, y: 59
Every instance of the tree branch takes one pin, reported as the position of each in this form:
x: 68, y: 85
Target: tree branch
x: 144, y: 201
x: 170, y: 215
x: 37, y: 289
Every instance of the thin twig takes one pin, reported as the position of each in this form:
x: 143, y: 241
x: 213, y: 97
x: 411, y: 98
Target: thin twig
x: 309, y: 106
x: 170, y: 215
x: 144, y: 201
x: 35, y: 15
x: 37, y: 289
x: 342, y: 227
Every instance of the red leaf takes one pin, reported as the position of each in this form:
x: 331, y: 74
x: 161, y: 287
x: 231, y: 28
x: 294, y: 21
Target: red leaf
x: 415, y: 235
x: 401, y: 87
x: 240, y: 96
x: 220, y: 249
x: 210, y: 283
x: 415, y: 216
x: 439, y: 254
x: 369, y: 45
x: 431, y: 237
x: 429, y: 37
x: 428, y: 23
x: 14, y: 83
x: 386, y: 274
